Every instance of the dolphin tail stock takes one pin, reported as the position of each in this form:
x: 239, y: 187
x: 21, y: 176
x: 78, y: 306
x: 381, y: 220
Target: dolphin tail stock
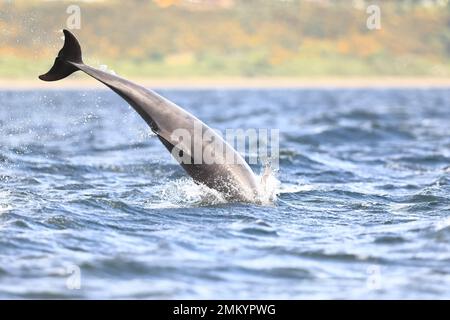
x: 65, y: 62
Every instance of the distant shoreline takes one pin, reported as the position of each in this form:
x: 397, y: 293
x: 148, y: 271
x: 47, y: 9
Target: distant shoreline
x: 236, y: 83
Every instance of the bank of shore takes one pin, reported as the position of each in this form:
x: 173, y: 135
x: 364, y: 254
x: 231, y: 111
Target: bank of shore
x: 197, y: 83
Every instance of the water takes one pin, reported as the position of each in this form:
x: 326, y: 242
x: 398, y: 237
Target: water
x: 90, y: 199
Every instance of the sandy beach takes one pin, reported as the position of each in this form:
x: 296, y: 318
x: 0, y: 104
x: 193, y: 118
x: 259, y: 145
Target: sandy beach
x: 81, y: 82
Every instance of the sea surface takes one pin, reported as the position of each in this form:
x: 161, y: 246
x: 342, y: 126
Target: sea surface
x: 93, y: 206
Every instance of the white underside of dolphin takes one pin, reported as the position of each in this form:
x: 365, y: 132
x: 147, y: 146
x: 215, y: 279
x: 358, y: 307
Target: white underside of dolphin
x: 231, y: 176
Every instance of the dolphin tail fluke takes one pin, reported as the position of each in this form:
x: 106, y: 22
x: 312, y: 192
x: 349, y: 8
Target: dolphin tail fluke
x: 69, y: 55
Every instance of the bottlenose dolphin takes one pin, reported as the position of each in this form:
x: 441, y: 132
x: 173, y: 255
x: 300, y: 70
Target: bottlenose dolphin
x: 231, y: 176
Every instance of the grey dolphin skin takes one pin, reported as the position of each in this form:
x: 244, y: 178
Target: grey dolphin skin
x: 233, y: 179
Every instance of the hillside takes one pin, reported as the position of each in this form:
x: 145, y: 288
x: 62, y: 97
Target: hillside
x: 225, y: 38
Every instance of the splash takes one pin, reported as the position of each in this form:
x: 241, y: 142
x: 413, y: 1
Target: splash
x: 104, y: 67
x: 269, y: 185
x: 184, y: 192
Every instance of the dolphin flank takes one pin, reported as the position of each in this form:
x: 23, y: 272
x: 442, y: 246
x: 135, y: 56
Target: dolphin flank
x: 233, y: 179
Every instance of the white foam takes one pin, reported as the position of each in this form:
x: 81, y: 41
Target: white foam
x: 269, y: 186
x: 185, y: 192
x: 442, y: 224
x: 287, y: 188
x: 5, y: 202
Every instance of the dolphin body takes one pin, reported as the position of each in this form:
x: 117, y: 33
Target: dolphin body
x: 233, y: 179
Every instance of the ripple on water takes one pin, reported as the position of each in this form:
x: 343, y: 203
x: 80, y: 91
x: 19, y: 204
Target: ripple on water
x: 5, y: 202
x: 251, y: 227
x: 363, y: 185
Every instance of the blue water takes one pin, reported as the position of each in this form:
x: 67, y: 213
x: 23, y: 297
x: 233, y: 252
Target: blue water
x: 93, y: 206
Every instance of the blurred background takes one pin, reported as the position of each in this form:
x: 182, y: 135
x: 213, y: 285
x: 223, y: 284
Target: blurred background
x: 231, y: 38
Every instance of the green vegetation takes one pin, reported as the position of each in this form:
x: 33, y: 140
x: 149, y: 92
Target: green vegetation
x: 227, y: 38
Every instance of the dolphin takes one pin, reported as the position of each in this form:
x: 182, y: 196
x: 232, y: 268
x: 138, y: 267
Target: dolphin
x: 225, y: 171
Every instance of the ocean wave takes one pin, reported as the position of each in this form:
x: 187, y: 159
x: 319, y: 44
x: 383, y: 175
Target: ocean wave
x: 5, y: 202
x: 363, y: 181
